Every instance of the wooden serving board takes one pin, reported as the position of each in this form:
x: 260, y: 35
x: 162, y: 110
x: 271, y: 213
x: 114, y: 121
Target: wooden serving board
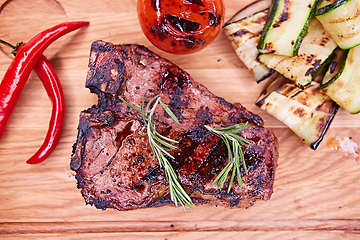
x: 316, y: 193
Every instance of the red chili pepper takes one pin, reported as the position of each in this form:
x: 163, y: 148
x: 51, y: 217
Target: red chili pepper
x: 19, y: 70
x: 52, y: 85
x: 50, y: 80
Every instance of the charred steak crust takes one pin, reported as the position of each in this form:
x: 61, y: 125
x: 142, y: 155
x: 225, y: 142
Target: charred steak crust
x: 115, y: 167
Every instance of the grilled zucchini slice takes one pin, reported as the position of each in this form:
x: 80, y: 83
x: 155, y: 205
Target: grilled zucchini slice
x: 244, y: 35
x: 342, y: 20
x: 342, y: 81
x: 315, y: 49
x: 308, y: 112
x: 286, y: 26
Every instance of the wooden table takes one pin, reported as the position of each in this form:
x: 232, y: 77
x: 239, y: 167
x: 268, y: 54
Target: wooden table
x: 316, y: 193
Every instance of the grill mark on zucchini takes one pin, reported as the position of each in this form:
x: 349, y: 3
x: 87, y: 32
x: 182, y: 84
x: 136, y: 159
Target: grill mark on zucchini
x: 268, y: 46
x: 299, y: 112
x: 342, y: 20
x: 284, y: 16
x: 323, y: 41
x: 316, y: 65
x: 240, y: 33
x: 353, y: 34
x: 332, y: 67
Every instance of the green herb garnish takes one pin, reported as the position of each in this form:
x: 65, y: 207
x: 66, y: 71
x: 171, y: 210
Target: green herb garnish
x: 160, y: 145
x: 234, y: 143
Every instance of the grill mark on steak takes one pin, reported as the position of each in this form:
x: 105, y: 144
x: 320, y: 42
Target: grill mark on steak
x: 115, y: 167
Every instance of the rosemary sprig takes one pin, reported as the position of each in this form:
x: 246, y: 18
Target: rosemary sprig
x: 160, y: 145
x: 234, y: 143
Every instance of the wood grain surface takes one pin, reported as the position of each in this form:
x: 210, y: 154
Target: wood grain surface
x: 316, y: 193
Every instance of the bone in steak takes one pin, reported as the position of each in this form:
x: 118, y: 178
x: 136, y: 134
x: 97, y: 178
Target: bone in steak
x: 115, y: 167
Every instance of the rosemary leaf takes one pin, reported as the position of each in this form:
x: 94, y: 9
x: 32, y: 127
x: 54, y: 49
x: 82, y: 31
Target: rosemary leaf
x: 162, y: 142
x: 166, y: 138
x: 168, y: 111
x: 129, y: 105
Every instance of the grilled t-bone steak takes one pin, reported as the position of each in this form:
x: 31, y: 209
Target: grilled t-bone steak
x: 115, y: 167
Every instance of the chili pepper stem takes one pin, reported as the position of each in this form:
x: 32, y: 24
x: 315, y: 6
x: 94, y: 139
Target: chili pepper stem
x: 7, y: 44
x: 15, y: 48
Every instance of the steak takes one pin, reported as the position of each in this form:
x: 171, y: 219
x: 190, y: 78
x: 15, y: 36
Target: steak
x: 113, y: 160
